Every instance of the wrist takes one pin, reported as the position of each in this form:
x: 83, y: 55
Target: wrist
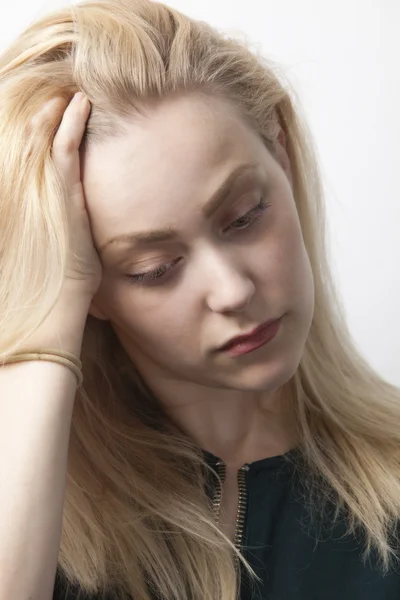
x: 62, y: 329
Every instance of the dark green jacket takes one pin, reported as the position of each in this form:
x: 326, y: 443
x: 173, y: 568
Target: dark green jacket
x: 280, y: 542
x: 275, y: 535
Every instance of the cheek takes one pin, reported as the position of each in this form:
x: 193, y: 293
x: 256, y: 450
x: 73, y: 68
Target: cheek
x: 284, y: 261
x: 148, y: 315
x: 297, y: 276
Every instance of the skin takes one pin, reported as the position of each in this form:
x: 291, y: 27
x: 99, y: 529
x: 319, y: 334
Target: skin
x: 224, y: 276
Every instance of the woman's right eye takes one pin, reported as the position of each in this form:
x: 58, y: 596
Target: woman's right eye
x: 151, y: 277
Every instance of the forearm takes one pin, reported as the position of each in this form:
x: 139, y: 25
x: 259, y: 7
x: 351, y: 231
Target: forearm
x: 37, y: 400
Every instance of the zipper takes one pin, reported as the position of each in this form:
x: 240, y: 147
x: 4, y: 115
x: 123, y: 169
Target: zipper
x: 242, y: 500
x: 242, y: 505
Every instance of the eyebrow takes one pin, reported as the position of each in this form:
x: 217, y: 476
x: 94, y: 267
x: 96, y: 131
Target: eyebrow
x: 239, y: 174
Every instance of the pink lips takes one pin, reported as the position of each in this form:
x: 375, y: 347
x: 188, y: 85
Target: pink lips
x: 259, y: 337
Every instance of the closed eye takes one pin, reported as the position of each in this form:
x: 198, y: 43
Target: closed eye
x: 244, y: 221
x: 165, y: 271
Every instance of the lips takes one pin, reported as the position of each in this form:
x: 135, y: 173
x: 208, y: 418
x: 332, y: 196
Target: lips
x: 248, y: 337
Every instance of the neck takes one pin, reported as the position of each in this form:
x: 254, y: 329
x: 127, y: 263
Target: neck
x: 238, y: 427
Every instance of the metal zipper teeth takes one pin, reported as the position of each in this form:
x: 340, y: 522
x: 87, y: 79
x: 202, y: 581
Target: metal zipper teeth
x: 221, y: 471
x: 242, y: 500
x: 242, y: 505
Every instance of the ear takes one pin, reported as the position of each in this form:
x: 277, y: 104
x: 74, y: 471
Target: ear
x: 282, y: 155
x: 282, y: 138
x: 96, y: 311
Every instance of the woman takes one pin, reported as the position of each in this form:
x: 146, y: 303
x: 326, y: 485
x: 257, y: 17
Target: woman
x: 163, y: 230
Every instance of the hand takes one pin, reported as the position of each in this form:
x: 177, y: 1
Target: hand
x: 84, y: 271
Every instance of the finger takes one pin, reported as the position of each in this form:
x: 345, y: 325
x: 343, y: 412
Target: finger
x: 69, y: 137
x: 48, y: 112
x: 42, y: 125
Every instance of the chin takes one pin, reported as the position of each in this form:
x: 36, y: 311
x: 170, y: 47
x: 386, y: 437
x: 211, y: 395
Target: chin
x: 262, y: 378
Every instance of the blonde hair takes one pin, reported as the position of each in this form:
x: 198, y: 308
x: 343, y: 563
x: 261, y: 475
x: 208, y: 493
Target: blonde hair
x: 136, y: 519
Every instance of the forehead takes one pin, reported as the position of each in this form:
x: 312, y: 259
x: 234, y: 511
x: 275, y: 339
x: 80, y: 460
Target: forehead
x: 178, y: 151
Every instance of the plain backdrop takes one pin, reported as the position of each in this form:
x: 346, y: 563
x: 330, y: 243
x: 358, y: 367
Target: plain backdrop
x: 342, y: 56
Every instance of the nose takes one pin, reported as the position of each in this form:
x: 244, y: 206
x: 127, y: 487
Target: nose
x: 230, y: 289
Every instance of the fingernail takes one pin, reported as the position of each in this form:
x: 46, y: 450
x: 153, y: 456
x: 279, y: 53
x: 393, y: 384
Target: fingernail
x: 78, y: 97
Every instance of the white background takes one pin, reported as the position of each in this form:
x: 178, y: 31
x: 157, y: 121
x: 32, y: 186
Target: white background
x: 343, y: 58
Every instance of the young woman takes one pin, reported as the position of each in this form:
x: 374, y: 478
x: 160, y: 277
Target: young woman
x: 162, y: 233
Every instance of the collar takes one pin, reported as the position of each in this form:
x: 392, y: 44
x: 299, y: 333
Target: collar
x: 270, y: 463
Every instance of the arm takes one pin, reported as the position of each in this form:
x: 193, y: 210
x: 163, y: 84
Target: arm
x: 35, y: 419
x: 37, y: 397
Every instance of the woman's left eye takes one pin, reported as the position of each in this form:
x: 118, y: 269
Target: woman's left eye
x: 163, y: 272
x: 248, y: 218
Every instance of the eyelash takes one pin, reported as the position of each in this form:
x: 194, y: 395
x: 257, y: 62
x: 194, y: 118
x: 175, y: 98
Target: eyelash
x: 155, y: 275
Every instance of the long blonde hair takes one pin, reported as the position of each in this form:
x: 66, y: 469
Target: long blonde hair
x: 136, y: 519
